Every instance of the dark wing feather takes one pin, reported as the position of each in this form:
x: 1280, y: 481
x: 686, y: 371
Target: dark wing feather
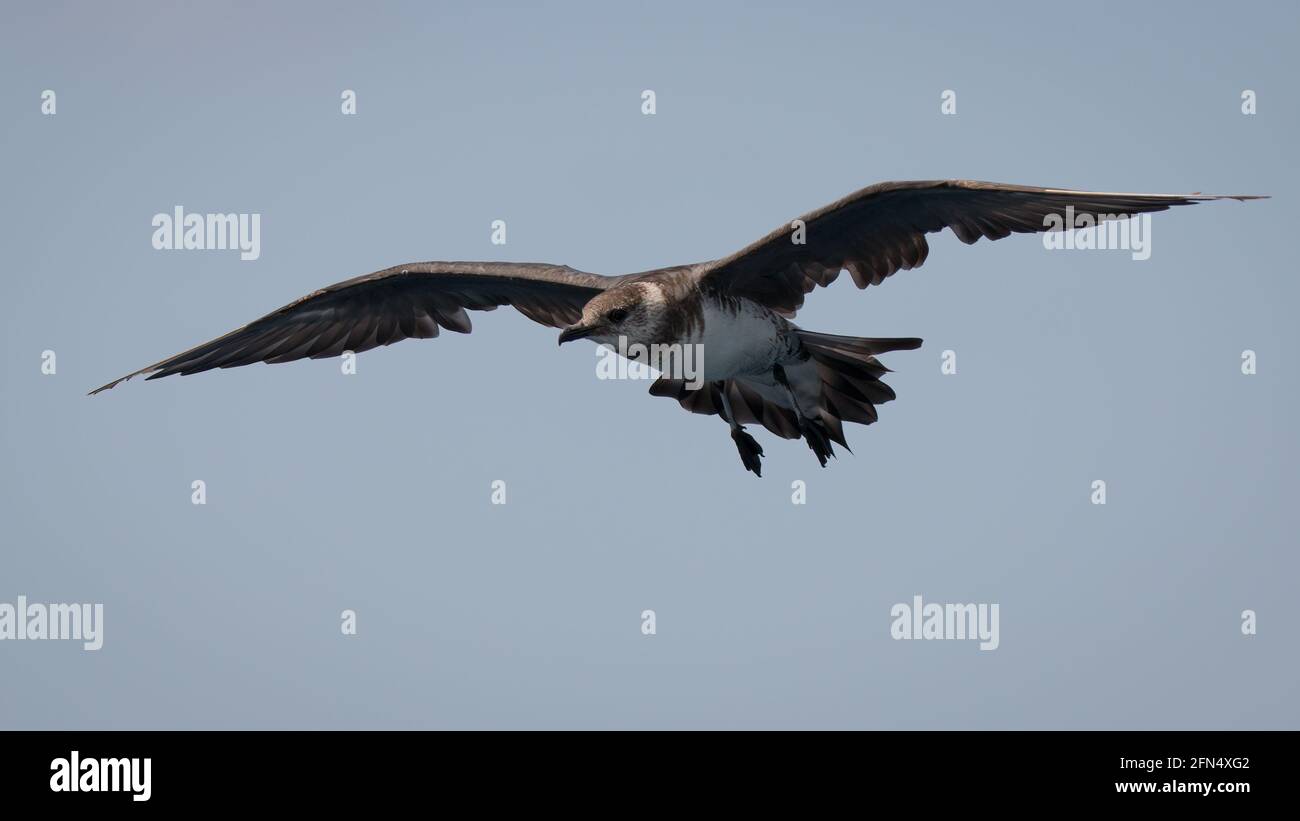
x: 403, y: 302
x: 881, y: 229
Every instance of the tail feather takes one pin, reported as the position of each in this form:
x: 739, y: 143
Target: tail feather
x: 850, y: 374
x: 855, y: 347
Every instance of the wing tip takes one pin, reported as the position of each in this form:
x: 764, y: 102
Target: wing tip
x: 109, y: 386
x: 116, y: 382
x: 1197, y: 196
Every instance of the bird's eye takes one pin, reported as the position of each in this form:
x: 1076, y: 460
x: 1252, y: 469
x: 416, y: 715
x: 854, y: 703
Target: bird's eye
x: 617, y: 315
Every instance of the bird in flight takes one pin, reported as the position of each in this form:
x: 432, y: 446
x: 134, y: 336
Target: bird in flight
x: 755, y: 365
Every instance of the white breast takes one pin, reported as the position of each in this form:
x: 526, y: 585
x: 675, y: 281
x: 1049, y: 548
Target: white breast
x: 740, y: 337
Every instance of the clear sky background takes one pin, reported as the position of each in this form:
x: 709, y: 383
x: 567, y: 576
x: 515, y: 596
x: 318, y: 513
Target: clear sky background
x: 372, y: 492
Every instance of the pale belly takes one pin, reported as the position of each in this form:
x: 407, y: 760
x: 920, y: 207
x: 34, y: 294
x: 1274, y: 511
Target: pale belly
x: 745, y: 341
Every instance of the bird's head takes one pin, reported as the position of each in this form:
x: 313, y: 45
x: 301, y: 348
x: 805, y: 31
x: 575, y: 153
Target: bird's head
x: 636, y: 311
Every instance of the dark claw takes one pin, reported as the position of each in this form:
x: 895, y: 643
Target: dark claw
x: 750, y: 450
x: 817, y: 440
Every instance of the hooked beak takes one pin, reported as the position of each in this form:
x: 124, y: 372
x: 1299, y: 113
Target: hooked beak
x: 575, y: 332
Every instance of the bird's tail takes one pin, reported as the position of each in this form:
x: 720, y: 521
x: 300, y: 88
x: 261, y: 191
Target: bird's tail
x: 850, y: 388
x: 853, y: 348
x: 851, y: 376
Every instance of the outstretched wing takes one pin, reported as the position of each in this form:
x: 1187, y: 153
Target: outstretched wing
x: 880, y: 229
x: 388, y: 306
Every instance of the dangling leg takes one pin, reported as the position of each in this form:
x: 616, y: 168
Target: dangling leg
x: 750, y: 451
x: 812, y: 429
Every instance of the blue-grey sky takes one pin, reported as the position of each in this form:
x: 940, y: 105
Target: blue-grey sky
x: 371, y: 492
